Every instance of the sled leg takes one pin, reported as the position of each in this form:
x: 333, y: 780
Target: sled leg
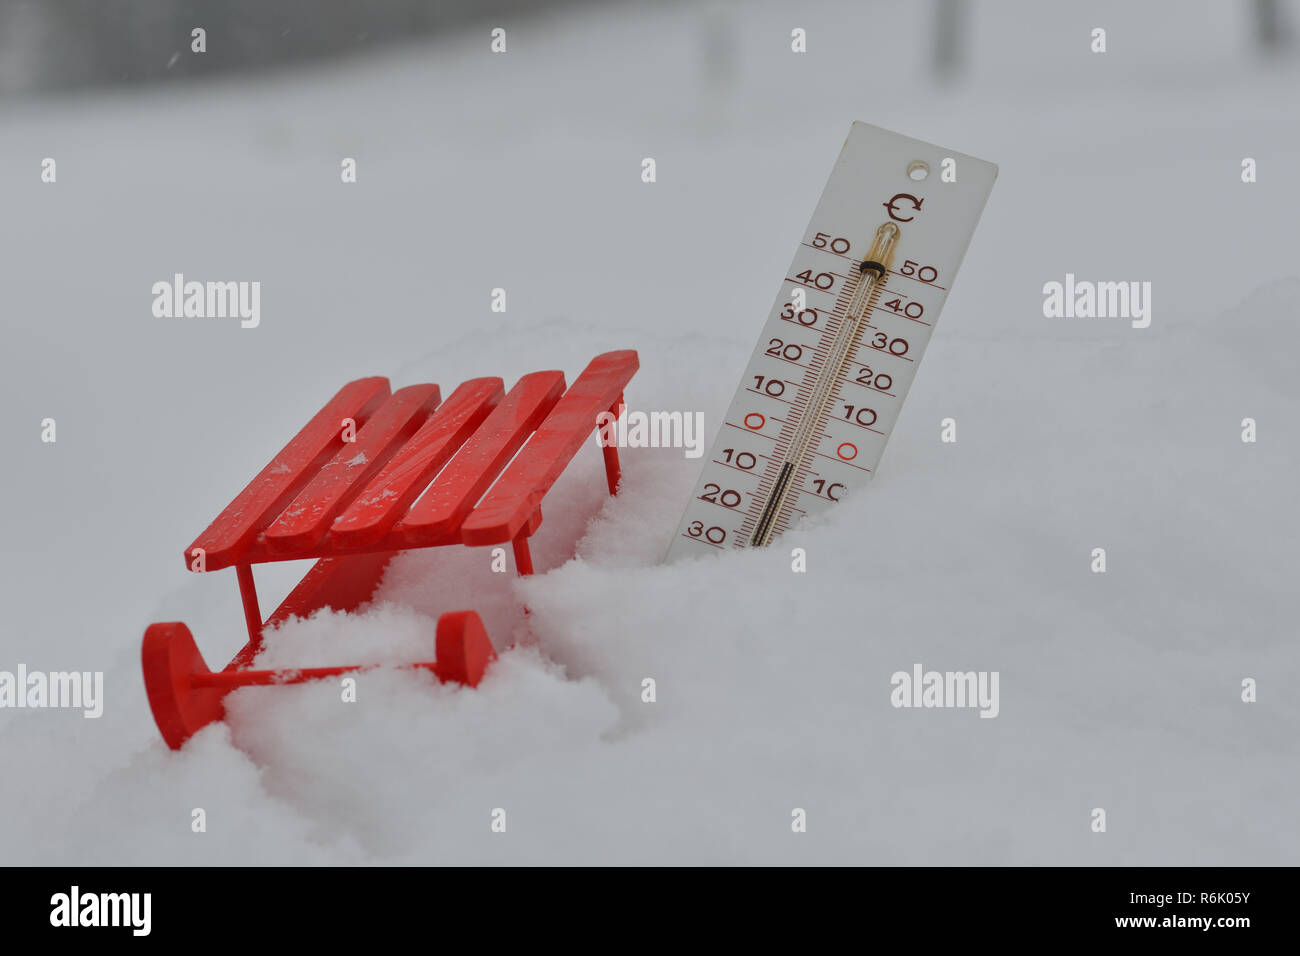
x: 171, y: 660
x: 185, y: 696
x: 613, y: 471
x: 464, y: 650
x: 523, y: 556
x: 248, y: 595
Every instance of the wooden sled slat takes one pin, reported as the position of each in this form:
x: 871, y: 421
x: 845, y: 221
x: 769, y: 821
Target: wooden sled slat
x: 439, y: 512
x: 385, y: 500
x: 225, y: 540
x: 307, y: 518
x: 511, y: 502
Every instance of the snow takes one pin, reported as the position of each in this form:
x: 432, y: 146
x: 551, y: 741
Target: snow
x: 522, y: 171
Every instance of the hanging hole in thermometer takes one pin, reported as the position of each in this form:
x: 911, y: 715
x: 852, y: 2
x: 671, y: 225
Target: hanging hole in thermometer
x: 837, y: 355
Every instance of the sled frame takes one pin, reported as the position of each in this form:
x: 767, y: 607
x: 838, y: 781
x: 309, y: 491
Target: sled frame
x: 373, y: 473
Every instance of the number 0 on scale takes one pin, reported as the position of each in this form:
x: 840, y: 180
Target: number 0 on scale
x: 831, y: 370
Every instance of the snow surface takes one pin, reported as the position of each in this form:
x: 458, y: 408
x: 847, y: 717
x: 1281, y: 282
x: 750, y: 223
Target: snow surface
x: 522, y: 171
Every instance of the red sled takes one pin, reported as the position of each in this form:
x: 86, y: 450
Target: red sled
x: 374, y: 473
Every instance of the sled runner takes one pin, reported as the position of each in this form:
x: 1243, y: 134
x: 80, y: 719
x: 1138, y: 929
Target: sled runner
x: 376, y: 472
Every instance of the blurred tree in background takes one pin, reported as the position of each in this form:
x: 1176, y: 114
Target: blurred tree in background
x: 60, y: 44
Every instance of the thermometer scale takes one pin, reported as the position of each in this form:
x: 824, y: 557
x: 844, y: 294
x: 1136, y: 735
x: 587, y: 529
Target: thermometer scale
x: 840, y: 348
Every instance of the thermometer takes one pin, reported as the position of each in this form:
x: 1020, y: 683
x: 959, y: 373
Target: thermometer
x: 828, y: 377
